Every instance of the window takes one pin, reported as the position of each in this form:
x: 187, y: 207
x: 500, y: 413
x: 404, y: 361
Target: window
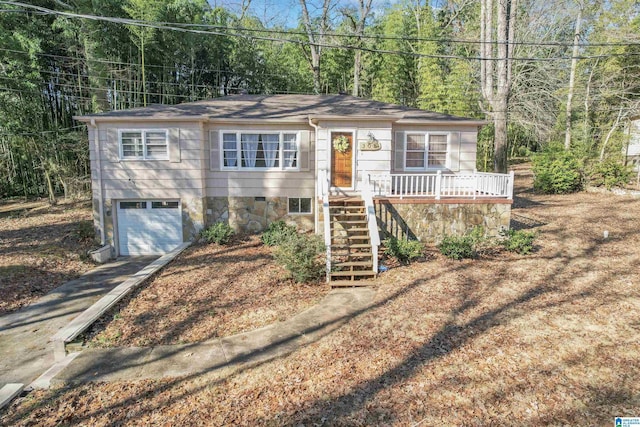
x: 133, y: 205
x: 164, y: 205
x: 267, y: 150
x: 144, y: 145
x: 426, y: 151
x: 299, y: 205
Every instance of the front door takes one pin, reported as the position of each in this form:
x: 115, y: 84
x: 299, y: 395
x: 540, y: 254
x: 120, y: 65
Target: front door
x: 342, y: 160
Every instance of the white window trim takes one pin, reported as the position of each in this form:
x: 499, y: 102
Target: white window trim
x: 426, y: 151
x: 143, y: 133
x: 300, y: 204
x: 239, y: 166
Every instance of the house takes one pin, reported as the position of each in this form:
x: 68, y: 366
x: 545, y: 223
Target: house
x: 632, y: 149
x: 162, y: 173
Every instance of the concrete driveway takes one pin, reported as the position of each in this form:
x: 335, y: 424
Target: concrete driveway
x: 25, y: 350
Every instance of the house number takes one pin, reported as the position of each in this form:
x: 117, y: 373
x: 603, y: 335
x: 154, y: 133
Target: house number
x: 370, y: 145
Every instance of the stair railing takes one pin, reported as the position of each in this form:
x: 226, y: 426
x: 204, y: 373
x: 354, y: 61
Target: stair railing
x: 323, y: 186
x: 372, y: 223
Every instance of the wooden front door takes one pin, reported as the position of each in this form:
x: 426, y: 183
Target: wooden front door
x: 342, y: 162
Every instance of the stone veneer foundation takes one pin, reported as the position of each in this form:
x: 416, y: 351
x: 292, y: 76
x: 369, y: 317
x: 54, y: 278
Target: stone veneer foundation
x: 254, y: 214
x: 430, y: 220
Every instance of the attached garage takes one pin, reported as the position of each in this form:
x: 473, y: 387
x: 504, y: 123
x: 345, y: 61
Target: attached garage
x: 148, y: 227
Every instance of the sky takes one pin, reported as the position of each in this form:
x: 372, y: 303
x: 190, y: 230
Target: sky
x: 286, y: 12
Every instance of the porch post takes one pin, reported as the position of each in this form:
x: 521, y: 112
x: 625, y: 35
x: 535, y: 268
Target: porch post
x: 438, y: 184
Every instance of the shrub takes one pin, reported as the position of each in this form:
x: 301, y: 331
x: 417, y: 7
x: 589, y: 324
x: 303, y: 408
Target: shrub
x: 85, y: 231
x: 609, y: 173
x: 459, y: 247
x: 303, y: 256
x: 557, y: 171
x: 404, y: 250
x: 519, y: 241
x: 219, y: 233
x: 278, y: 232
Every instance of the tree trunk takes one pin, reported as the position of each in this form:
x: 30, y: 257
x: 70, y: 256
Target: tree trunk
x: 572, y: 79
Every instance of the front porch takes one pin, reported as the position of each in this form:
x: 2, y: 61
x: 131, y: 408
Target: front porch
x: 423, y: 207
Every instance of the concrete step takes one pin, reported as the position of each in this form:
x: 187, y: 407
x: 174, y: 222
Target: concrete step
x: 349, y: 283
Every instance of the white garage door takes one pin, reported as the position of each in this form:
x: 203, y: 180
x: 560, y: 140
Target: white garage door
x: 149, y: 227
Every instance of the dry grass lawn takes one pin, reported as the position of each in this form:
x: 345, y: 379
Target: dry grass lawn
x: 545, y: 339
x: 40, y: 249
x: 209, y: 291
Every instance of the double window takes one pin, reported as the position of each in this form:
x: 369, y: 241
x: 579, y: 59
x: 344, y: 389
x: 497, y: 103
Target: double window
x: 260, y: 150
x: 426, y: 151
x: 144, y: 145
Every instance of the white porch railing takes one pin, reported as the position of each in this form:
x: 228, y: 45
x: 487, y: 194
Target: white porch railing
x: 323, y: 189
x: 372, y: 222
x: 476, y: 185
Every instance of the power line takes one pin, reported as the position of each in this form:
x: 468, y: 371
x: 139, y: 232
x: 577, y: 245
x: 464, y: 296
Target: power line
x: 134, y: 22
x: 181, y: 25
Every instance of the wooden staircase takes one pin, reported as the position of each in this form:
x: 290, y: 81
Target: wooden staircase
x: 351, y: 250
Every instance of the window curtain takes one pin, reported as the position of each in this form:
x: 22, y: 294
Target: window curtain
x: 250, y: 149
x: 290, y: 150
x: 270, y: 146
x: 230, y: 152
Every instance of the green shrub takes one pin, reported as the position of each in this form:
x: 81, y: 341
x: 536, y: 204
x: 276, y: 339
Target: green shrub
x: 303, y: 256
x: 519, y: 241
x: 219, y: 233
x: 467, y: 246
x: 609, y: 173
x: 85, y: 231
x: 278, y: 232
x: 404, y: 250
x: 557, y: 171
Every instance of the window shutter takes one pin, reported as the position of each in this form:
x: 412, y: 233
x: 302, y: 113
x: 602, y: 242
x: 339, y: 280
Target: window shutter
x: 174, y: 145
x: 214, y: 151
x: 398, y: 152
x: 112, y: 146
x: 305, y: 148
x: 454, y: 151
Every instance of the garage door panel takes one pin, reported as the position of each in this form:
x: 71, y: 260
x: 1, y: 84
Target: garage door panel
x: 149, y: 227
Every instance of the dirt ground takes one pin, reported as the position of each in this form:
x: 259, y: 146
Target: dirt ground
x: 549, y: 338
x: 40, y: 249
x: 209, y: 291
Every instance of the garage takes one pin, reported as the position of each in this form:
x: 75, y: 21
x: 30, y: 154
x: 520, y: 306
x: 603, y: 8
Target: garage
x: 148, y: 227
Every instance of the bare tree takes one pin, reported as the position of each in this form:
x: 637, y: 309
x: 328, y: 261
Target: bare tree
x: 496, y: 51
x: 316, y: 38
x: 572, y: 77
x: 358, y: 25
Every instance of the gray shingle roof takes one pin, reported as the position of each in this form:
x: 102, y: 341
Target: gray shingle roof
x: 279, y: 107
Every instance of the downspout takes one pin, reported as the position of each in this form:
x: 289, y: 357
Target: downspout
x: 316, y: 221
x: 96, y: 144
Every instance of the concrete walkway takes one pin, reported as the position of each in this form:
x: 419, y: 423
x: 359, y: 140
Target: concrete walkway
x: 25, y: 350
x: 278, y: 339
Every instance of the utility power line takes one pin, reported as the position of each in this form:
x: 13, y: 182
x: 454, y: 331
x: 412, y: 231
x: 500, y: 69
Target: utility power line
x: 148, y: 24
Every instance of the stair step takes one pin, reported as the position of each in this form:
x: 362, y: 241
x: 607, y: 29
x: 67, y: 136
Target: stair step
x: 363, y: 273
x: 352, y: 229
x: 353, y: 222
x: 351, y: 246
x: 365, y: 237
x: 354, y: 264
x: 349, y: 283
x: 350, y: 208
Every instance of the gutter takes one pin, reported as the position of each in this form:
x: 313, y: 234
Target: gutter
x: 316, y: 221
x: 96, y: 144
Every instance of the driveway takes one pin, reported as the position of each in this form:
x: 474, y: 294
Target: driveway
x: 25, y: 350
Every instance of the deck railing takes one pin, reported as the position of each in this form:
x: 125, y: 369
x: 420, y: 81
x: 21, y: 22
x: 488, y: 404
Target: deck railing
x: 475, y: 185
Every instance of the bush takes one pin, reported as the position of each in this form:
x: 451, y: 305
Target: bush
x: 459, y: 247
x: 404, y: 250
x: 85, y: 231
x: 557, y: 171
x: 519, y: 241
x: 303, y: 256
x: 610, y: 173
x: 277, y: 232
x: 219, y: 233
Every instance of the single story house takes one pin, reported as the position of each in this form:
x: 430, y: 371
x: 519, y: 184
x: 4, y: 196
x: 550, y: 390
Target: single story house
x: 163, y: 172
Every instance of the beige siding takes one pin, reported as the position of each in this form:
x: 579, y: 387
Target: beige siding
x: 178, y: 177
x: 252, y: 183
x: 463, y: 156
